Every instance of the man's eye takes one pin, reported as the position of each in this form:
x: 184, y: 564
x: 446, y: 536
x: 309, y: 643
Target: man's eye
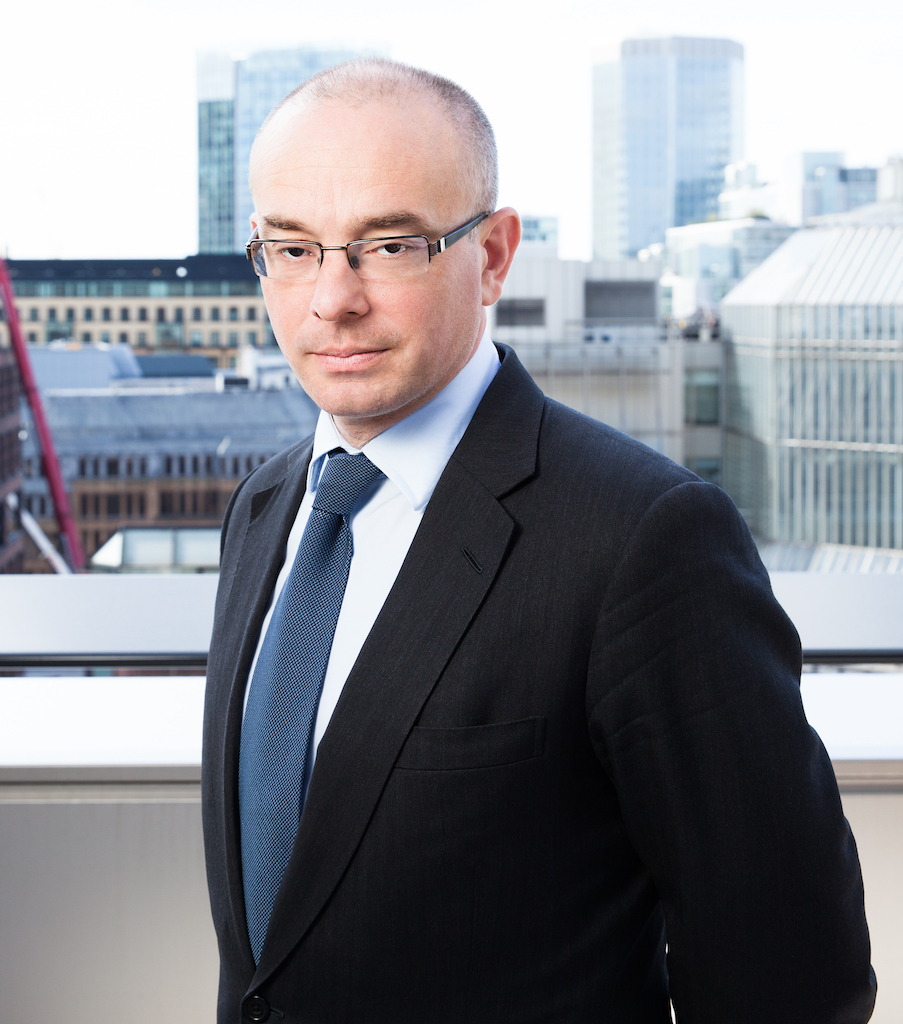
x: 295, y: 252
x: 392, y: 249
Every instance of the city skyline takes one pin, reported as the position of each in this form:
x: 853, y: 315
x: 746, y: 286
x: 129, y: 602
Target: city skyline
x: 102, y: 100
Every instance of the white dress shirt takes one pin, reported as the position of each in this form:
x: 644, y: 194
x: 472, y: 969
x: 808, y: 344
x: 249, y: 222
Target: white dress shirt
x: 412, y: 454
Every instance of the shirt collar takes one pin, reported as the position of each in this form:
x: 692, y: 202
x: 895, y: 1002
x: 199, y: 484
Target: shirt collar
x: 414, y: 452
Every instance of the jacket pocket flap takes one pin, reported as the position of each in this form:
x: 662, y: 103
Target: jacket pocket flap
x: 475, y: 746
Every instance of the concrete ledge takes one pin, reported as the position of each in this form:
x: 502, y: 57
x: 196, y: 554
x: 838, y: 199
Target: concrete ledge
x: 869, y: 776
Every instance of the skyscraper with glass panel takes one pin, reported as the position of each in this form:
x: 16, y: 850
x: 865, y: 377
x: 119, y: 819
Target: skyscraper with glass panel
x: 667, y: 119
x: 235, y: 94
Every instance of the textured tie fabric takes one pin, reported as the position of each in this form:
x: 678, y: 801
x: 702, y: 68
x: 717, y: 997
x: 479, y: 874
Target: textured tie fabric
x: 277, y: 730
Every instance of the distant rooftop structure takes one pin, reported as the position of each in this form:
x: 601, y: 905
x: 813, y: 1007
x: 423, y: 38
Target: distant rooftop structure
x: 149, y: 549
x: 175, y: 366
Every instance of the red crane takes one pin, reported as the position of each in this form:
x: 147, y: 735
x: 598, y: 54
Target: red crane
x: 71, y: 542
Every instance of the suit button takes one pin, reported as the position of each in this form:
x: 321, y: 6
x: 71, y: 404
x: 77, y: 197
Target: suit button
x: 257, y: 1008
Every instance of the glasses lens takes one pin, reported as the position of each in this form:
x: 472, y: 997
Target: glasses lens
x: 382, y: 259
x: 294, y: 261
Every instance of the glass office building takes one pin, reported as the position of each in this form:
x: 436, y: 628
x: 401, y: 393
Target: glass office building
x: 668, y: 118
x: 814, y: 370
x: 235, y: 94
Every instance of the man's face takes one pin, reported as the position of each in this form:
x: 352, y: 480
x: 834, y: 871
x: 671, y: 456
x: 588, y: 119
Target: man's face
x: 369, y: 352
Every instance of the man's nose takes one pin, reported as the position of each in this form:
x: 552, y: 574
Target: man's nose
x: 339, y: 292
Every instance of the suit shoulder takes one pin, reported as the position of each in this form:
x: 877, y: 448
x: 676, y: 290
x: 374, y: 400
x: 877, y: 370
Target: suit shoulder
x: 581, y: 445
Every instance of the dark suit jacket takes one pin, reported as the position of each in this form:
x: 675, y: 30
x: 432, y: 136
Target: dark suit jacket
x: 574, y: 730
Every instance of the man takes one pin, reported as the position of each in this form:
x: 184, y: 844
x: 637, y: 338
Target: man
x: 500, y: 705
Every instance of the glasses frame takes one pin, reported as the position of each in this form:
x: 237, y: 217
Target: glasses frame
x: 432, y: 248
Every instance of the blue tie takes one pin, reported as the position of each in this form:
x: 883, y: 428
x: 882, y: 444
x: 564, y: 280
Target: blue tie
x: 285, y: 689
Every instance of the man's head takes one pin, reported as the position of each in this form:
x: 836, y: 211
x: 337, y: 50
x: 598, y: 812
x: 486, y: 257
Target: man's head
x: 367, y: 150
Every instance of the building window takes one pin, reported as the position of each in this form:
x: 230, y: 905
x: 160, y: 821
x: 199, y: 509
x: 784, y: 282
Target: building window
x: 520, y: 313
x: 708, y: 469
x: 195, y: 465
x: 84, y: 504
x: 142, y: 313
x: 105, y: 337
x: 233, y: 339
x: 128, y: 505
x: 142, y: 337
x: 124, y: 313
x: 141, y: 507
x: 208, y: 465
x: 181, y: 465
x: 197, y: 313
x: 142, y: 468
x: 86, y: 336
x: 97, y: 506
x: 214, y: 312
x: 161, y: 315
x: 702, y: 397
x: 70, y: 315
x: 106, y: 313
x: 233, y: 312
x: 51, y: 315
x: 179, y: 315
x: 196, y: 338
x: 32, y: 336
x: 123, y: 338
x: 82, y: 467
x: 251, y: 313
x: 252, y: 337
x: 112, y: 467
x: 129, y: 467
x: 112, y: 506
x: 95, y: 466
x: 33, y: 314
x: 214, y: 337
x: 89, y: 313
x: 167, y: 466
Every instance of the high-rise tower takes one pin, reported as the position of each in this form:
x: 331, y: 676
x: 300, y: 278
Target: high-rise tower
x: 667, y: 119
x: 235, y: 94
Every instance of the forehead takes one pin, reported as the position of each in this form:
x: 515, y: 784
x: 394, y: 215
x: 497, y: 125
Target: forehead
x: 331, y: 163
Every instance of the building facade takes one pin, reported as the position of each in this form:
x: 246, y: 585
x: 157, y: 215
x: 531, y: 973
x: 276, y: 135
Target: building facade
x: 667, y: 119
x: 703, y: 262
x: 235, y: 94
x: 814, y: 371
x: 12, y: 541
x: 592, y: 336
x: 207, y: 305
x: 144, y: 452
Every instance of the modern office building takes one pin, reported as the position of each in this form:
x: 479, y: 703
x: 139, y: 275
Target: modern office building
x: 207, y: 305
x: 667, y: 119
x: 235, y: 94
x: 814, y: 372
x: 592, y: 337
x: 703, y: 262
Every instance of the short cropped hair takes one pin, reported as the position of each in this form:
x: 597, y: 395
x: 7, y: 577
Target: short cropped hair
x: 366, y: 78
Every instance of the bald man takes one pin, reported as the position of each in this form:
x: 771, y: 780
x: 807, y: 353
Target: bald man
x: 500, y: 705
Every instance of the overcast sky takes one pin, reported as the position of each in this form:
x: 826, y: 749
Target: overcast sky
x: 98, y: 117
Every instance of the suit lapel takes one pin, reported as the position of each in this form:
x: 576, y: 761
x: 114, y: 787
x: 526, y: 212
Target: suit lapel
x: 452, y: 563
x: 274, y: 505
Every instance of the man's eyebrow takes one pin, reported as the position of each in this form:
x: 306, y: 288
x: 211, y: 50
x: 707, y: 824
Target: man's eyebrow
x: 399, y: 220
x: 281, y: 223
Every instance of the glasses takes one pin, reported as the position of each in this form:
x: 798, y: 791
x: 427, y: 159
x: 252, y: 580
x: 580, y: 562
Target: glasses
x: 372, y: 259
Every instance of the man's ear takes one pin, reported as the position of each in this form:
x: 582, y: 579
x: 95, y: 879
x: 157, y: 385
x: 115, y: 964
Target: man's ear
x: 499, y: 235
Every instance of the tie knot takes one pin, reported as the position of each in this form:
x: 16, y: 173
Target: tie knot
x: 344, y: 479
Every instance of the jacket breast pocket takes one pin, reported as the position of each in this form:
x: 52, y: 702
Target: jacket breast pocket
x: 474, y: 746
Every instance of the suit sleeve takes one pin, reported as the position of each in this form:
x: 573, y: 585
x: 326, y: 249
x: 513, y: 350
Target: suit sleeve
x: 727, y: 793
